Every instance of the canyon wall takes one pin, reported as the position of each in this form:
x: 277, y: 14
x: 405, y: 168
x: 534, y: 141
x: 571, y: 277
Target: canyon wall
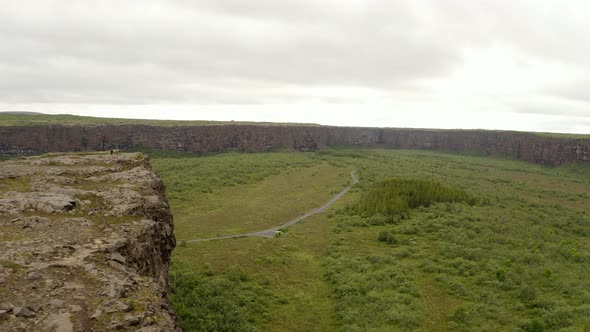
x: 529, y: 147
x: 252, y: 138
x: 85, y: 244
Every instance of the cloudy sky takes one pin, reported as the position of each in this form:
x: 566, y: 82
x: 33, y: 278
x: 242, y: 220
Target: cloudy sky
x: 499, y: 64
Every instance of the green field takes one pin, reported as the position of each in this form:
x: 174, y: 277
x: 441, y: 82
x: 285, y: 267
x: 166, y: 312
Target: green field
x: 491, y: 245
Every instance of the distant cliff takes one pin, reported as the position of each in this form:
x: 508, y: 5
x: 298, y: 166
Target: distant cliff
x: 256, y: 138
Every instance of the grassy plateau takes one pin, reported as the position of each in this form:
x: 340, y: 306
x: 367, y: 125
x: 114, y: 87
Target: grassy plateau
x: 424, y: 242
x: 39, y: 119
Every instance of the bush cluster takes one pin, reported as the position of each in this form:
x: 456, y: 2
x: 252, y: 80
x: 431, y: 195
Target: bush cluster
x: 210, y: 302
x: 398, y: 196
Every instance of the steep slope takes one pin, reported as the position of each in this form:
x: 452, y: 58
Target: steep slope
x: 15, y: 140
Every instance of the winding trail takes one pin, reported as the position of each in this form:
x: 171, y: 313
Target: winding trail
x: 271, y: 231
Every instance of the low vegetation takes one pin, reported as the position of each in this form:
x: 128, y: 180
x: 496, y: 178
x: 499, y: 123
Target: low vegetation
x: 503, y: 269
x: 209, y: 302
x: 6, y: 157
x: 187, y: 174
x: 425, y: 242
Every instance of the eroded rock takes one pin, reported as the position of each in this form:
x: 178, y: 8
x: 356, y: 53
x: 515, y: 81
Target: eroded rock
x: 24, y: 312
x: 82, y: 237
x: 60, y: 323
x: 117, y: 257
x: 56, y: 303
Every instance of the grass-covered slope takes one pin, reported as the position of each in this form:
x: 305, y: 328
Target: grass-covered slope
x: 508, y: 251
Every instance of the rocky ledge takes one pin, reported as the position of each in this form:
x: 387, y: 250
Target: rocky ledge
x: 85, y: 244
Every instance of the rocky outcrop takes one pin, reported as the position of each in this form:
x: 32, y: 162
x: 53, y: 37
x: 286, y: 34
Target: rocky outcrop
x: 253, y: 138
x: 85, y: 244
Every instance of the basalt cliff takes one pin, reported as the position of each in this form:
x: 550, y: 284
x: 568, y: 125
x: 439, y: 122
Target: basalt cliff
x: 256, y: 138
x: 85, y: 244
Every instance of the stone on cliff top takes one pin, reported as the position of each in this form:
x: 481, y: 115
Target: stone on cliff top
x: 15, y: 202
x: 34, y: 276
x: 6, y: 307
x: 60, y: 323
x: 56, y: 303
x: 117, y: 257
x: 23, y: 312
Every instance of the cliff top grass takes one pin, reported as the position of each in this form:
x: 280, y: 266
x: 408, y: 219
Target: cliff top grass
x: 561, y: 135
x: 39, y: 119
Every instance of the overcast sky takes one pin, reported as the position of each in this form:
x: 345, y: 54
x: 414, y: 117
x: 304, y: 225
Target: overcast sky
x: 499, y: 64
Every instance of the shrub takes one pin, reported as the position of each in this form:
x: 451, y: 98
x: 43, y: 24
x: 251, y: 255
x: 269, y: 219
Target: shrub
x: 501, y: 275
x: 397, y: 196
x: 533, y: 326
x: 207, y: 302
x: 387, y: 236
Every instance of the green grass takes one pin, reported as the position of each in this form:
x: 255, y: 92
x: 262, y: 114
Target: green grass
x: 210, y: 302
x: 517, y: 260
x: 21, y: 184
x: 8, y: 119
x: 561, y: 135
x: 289, y: 267
x: 505, y: 264
x: 11, y: 265
x: 189, y: 174
x: 252, y: 208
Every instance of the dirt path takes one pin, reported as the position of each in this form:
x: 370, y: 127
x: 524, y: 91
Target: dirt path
x: 271, y: 231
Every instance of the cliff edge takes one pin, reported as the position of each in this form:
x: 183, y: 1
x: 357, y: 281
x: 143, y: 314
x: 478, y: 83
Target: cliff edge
x: 85, y: 244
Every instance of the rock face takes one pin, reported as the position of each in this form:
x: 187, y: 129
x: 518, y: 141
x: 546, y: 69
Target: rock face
x: 252, y: 138
x: 85, y: 244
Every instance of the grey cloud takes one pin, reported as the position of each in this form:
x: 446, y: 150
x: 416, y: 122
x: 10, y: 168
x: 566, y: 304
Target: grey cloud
x: 232, y: 51
x: 543, y: 29
x: 577, y: 90
x: 552, y: 109
x: 343, y: 49
x: 570, y: 124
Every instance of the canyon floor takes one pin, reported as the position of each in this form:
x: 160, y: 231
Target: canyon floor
x: 516, y: 259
